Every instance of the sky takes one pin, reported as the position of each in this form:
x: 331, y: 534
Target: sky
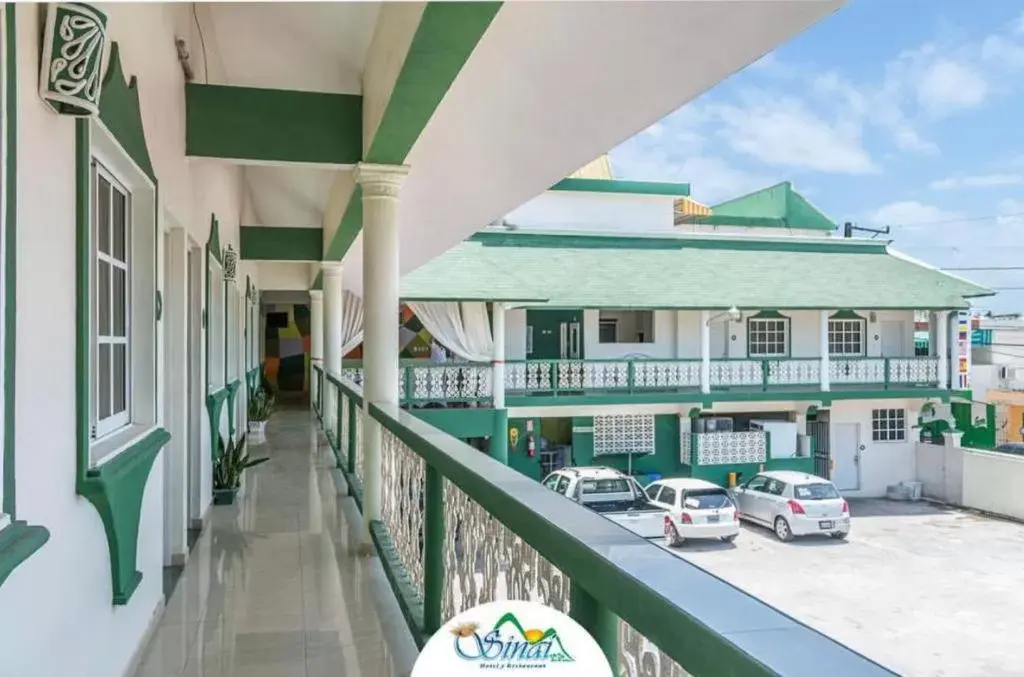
x: 908, y: 114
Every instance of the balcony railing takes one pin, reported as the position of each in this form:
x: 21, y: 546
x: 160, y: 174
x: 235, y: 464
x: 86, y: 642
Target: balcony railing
x: 464, y: 382
x: 458, y: 528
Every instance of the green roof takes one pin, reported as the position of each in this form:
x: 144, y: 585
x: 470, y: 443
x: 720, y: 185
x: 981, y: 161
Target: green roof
x: 590, y: 270
x: 777, y: 206
x: 625, y: 187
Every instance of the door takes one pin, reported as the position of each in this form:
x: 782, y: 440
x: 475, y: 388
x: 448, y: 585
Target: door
x: 846, y: 456
x: 719, y: 340
x: 750, y: 497
x: 819, y: 431
x: 892, y: 339
x: 557, y: 334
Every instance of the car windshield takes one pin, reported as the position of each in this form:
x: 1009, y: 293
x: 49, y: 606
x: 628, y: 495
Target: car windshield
x: 613, y: 486
x: 707, y: 499
x: 815, y: 492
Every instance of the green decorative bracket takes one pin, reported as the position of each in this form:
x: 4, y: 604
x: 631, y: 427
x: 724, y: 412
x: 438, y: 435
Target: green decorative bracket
x: 159, y: 305
x: 115, y: 489
x: 252, y: 381
x: 18, y: 541
x: 232, y: 394
x: 74, y: 39
x: 214, y: 404
x: 694, y: 412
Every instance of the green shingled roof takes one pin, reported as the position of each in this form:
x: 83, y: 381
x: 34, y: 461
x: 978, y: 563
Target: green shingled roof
x: 778, y: 206
x: 588, y: 270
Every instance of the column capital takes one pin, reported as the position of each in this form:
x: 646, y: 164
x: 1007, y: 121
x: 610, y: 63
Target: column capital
x: 380, y: 180
x: 331, y: 268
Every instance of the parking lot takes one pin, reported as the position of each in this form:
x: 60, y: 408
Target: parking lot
x: 919, y: 588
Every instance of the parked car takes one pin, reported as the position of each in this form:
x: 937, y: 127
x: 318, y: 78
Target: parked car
x: 611, y: 493
x: 793, y: 504
x: 694, y: 509
x: 1011, y: 448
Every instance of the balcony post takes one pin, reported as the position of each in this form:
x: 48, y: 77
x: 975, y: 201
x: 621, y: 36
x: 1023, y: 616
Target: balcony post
x: 826, y: 363
x: 380, y: 186
x: 332, y: 272
x: 941, y: 349
x: 433, y: 550
x: 597, y: 620
x: 499, y: 441
x: 316, y: 345
x: 705, y: 351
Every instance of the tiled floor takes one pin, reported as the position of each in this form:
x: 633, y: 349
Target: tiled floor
x: 274, y: 587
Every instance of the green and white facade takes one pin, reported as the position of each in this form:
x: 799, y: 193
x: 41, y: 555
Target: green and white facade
x: 166, y: 164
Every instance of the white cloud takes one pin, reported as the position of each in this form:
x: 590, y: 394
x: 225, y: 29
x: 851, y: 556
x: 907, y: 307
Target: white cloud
x: 911, y: 213
x: 948, y: 85
x: 1018, y: 25
x: 1002, y: 53
x: 785, y: 132
x: 655, y: 130
x: 1011, y: 213
x: 977, y: 181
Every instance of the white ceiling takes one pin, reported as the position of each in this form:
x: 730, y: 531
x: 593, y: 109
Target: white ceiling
x: 309, y: 46
x: 288, y: 196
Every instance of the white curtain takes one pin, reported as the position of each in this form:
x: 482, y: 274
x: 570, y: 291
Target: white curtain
x: 351, y: 322
x: 462, y: 328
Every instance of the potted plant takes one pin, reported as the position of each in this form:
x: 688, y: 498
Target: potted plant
x: 228, y: 469
x: 261, y: 406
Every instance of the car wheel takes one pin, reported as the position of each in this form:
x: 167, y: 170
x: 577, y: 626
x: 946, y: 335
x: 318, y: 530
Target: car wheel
x: 672, y: 539
x: 841, y: 535
x: 782, y: 530
x: 730, y: 539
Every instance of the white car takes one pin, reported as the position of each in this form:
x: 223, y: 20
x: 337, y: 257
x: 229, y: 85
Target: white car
x: 794, y: 504
x: 694, y: 509
x: 611, y: 493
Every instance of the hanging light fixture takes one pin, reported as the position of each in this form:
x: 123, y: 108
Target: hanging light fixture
x: 230, y: 264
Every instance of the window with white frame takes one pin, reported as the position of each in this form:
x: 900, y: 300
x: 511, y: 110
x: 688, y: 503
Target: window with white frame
x: 215, y: 326
x: 767, y: 337
x: 111, y: 232
x: 846, y: 337
x: 888, y: 425
x: 625, y: 326
x: 122, y: 348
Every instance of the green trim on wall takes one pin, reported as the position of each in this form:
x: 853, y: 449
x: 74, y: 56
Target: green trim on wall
x: 276, y: 243
x: 624, y: 187
x: 845, y: 315
x: 213, y: 241
x: 116, y: 487
x: 18, y: 542
x: 232, y: 389
x: 461, y: 423
x: 272, y: 125
x: 768, y: 315
x: 214, y: 404
x: 447, y: 34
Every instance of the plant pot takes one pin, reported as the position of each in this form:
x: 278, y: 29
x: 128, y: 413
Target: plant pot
x: 224, y: 496
x: 258, y: 428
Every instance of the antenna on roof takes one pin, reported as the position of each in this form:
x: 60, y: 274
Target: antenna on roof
x: 848, y: 229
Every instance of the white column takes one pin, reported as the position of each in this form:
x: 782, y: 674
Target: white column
x: 826, y: 382
x: 380, y: 184
x: 705, y: 351
x: 498, y: 329
x: 316, y: 326
x: 942, y: 346
x: 332, y: 339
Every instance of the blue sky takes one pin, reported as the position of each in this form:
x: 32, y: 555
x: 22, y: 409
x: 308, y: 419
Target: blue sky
x: 908, y: 114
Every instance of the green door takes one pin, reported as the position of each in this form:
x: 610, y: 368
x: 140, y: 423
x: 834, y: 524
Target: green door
x: 556, y: 334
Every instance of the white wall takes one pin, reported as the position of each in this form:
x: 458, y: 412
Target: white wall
x: 881, y: 463
x: 756, y: 232
x: 68, y: 581
x: 992, y: 482
x: 570, y: 210
x: 515, y: 334
x: 664, y: 344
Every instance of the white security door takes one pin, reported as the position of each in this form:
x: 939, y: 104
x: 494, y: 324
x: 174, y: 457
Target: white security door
x: 892, y: 339
x: 846, y: 456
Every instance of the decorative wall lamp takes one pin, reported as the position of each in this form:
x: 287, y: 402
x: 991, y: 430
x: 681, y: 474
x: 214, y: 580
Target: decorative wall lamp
x: 734, y: 314
x: 71, y: 72
x: 230, y: 264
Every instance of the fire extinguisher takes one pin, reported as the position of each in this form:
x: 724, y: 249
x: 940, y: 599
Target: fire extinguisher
x: 531, y: 450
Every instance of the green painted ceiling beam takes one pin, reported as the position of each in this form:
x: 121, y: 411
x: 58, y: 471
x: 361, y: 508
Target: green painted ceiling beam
x: 623, y: 187
x: 274, y: 243
x: 272, y: 125
x: 448, y: 33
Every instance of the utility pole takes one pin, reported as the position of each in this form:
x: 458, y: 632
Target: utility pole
x: 848, y: 229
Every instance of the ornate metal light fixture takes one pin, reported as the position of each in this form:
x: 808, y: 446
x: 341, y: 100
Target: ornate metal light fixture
x: 71, y: 75
x: 230, y: 264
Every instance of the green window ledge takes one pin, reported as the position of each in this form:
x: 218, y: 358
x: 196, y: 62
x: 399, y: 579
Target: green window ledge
x: 18, y: 541
x: 214, y: 404
x: 115, y: 489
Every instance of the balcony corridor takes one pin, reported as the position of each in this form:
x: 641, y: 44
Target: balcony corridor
x: 273, y: 588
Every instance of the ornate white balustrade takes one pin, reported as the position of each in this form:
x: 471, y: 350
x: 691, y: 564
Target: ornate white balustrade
x: 914, y: 370
x: 799, y: 372
x: 728, y: 373
x: 856, y: 370
x: 449, y: 383
x: 729, y: 448
x: 659, y: 374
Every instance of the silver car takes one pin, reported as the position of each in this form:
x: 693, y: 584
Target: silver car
x: 793, y: 504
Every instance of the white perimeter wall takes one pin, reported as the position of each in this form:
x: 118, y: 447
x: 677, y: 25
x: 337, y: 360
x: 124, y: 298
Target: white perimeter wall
x: 56, y: 616
x: 881, y: 463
